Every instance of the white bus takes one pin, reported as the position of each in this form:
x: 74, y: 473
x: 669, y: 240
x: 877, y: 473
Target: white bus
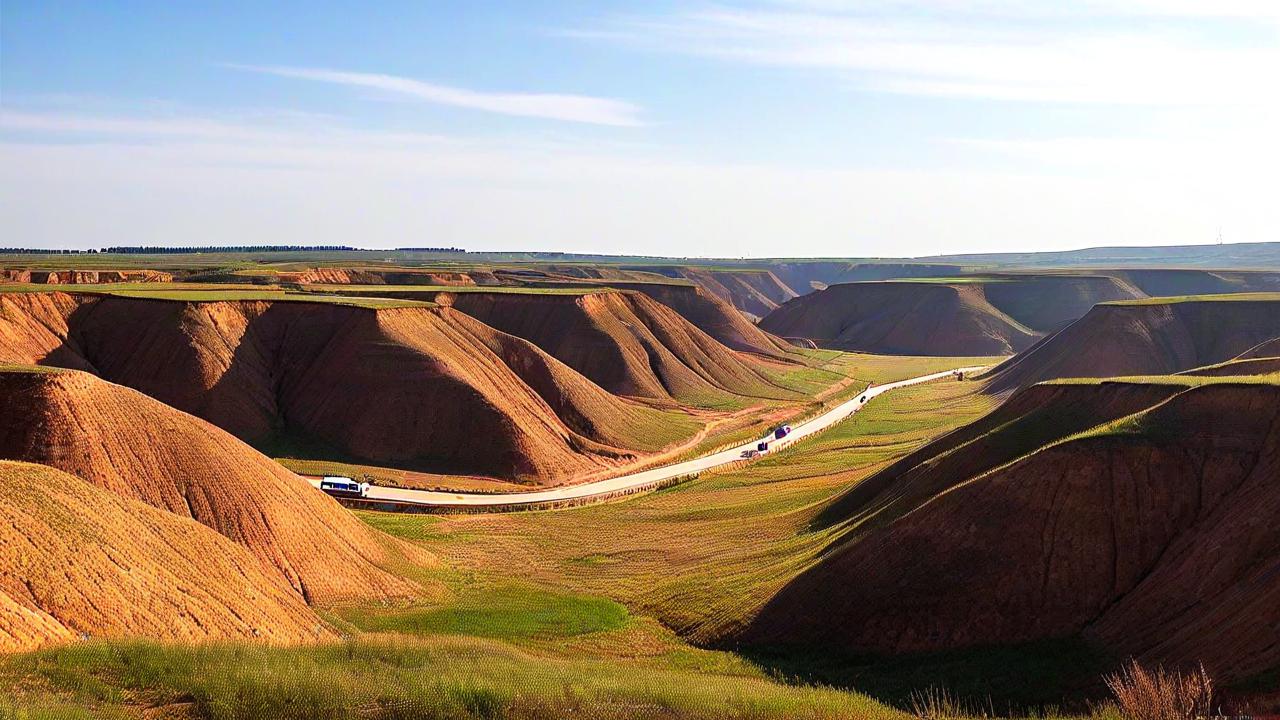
x: 344, y: 486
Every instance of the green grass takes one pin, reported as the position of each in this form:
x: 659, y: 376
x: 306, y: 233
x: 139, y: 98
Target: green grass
x: 354, y: 290
x: 952, y: 280
x: 702, y: 557
x: 209, y: 293
x: 1178, y: 380
x: 452, y: 678
x: 508, y: 612
x: 1223, y: 297
x: 32, y: 369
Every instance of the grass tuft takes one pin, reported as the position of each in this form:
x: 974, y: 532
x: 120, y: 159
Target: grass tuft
x: 1155, y: 694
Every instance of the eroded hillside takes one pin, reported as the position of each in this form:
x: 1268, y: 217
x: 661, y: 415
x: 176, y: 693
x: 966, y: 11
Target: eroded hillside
x: 426, y: 387
x: 901, y: 318
x: 135, y: 447
x: 1133, y: 515
x: 77, y: 560
x: 627, y: 343
x: 1148, y: 337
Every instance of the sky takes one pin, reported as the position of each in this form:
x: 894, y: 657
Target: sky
x: 822, y: 128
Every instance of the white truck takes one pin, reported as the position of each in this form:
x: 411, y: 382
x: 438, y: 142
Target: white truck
x: 342, y: 486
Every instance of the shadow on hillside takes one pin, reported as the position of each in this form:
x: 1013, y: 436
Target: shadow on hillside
x: 1003, y: 681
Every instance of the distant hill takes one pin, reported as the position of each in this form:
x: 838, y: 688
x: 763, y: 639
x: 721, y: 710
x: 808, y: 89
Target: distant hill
x: 1233, y: 255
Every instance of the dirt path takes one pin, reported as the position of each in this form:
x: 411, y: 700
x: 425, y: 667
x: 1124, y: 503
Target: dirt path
x: 404, y: 500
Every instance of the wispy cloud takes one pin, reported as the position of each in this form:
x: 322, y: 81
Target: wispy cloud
x: 1131, y: 52
x: 551, y: 106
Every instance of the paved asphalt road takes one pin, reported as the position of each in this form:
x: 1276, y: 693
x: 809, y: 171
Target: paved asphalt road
x: 635, y: 481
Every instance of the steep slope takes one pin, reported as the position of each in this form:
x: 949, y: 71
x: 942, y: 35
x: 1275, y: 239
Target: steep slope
x: 901, y: 318
x: 1170, y: 282
x: 753, y: 291
x: 78, y: 559
x: 1046, y: 302
x: 805, y: 277
x: 1269, y: 348
x: 388, y: 276
x: 136, y: 447
x: 626, y: 342
x: 1151, y: 536
x: 80, y: 277
x: 1249, y: 366
x: 416, y: 387
x: 1150, y: 337
x: 713, y: 316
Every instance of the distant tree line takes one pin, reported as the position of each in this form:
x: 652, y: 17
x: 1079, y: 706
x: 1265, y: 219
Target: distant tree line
x: 158, y: 250
x: 43, y: 251
x: 428, y: 249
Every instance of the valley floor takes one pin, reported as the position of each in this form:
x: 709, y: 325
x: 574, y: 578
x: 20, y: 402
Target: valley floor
x: 614, y: 610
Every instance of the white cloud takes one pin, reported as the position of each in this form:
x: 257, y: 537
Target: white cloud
x: 571, y: 108
x: 1136, y: 52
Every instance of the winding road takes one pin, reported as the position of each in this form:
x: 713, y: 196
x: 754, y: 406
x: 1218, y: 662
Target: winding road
x: 404, y: 500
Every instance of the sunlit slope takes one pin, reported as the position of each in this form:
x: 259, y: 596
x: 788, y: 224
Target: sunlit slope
x: 138, y: 448
x: 413, y: 386
x: 627, y: 343
x: 713, y: 316
x: 79, y: 560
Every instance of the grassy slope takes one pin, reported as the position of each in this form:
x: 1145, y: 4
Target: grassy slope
x: 1232, y: 297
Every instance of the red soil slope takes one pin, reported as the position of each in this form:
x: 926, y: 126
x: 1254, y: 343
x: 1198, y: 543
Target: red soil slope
x: 626, y: 342
x: 379, y: 276
x: 1144, y: 339
x: 424, y: 388
x: 901, y: 318
x: 1152, y: 537
x: 752, y: 291
x: 78, y: 559
x: 135, y: 447
x: 79, y: 277
x: 713, y: 316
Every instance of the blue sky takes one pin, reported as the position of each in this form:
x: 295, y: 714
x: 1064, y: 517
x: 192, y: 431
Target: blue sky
x: 773, y: 127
